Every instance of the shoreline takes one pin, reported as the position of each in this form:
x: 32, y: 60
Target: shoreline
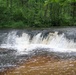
x: 36, y: 28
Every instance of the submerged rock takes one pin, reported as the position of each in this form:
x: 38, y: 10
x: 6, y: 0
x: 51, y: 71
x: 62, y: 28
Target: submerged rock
x: 44, y: 65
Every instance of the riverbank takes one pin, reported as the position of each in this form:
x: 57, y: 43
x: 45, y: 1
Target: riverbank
x: 36, y: 28
x: 44, y: 65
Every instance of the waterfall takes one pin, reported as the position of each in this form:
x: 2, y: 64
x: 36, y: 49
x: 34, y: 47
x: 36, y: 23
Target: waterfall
x: 27, y: 42
x: 17, y: 46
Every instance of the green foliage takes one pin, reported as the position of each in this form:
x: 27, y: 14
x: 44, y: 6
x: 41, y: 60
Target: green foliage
x: 37, y: 13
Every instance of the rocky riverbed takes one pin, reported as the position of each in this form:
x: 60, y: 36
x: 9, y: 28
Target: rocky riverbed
x: 44, y: 65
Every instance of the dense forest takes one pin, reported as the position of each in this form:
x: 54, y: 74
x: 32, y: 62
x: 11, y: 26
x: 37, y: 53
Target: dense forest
x: 37, y: 13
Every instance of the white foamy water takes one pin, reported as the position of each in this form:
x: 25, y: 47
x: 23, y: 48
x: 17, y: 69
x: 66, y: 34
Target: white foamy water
x: 53, y: 41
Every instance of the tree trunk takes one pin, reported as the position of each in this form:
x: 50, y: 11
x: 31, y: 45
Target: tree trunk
x: 73, y: 11
x: 7, y: 3
x: 11, y: 2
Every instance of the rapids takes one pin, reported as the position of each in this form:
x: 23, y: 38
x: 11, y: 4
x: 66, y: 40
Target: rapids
x: 27, y: 40
x: 19, y: 45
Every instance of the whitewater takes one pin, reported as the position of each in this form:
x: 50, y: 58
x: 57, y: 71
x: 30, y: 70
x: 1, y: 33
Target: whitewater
x: 53, y: 40
x: 17, y: 46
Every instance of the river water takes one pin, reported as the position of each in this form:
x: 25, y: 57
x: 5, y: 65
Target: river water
x: 17, y: 46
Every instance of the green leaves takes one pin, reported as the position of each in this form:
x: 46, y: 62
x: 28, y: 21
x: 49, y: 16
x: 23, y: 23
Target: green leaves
x: 37, y: 13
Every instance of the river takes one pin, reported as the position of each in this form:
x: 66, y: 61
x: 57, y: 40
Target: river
x: 51, y: 45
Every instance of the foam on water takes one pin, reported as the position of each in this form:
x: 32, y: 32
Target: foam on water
x: 53, y: 41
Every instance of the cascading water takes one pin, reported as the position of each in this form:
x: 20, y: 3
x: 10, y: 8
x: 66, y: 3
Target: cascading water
x: 54, y: 41
x: 16, y: 45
